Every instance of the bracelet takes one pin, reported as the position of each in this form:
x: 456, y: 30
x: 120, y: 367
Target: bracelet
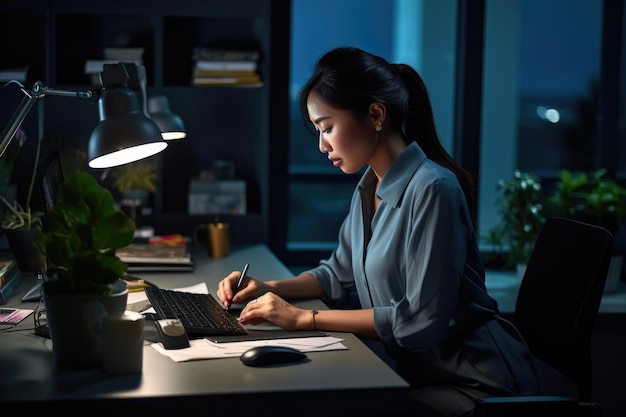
x: 313, y: 313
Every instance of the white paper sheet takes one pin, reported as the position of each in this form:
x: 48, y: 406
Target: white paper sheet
x: 205, y: 349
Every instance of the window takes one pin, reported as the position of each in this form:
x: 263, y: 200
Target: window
x: 319, y: 194
x: 558, y: 84
x: 544, y: 74
x: 540, y: 92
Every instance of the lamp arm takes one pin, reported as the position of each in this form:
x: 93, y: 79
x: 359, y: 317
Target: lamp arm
x: 38, y: 91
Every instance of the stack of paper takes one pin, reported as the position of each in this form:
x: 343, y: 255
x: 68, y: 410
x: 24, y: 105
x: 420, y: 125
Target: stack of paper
x: 205, y: 349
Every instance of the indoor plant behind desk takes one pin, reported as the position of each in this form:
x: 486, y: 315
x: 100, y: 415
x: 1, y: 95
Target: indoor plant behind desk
x: 594, y: 199
x: 79, y: 238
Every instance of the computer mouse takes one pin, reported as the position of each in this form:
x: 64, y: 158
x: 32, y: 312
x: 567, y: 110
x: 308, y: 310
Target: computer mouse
x: 271, y: 355
x: 173, y: 334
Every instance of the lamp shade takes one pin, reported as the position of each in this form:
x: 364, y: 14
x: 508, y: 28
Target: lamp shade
x: 124, y: 133
x: 171, y: 125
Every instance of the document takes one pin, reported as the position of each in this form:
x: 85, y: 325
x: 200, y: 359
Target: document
x: 205, y: 349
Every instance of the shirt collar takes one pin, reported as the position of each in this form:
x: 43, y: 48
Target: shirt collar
x: 397, y: 177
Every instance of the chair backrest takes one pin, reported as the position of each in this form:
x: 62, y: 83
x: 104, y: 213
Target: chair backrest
x: 560, y: 294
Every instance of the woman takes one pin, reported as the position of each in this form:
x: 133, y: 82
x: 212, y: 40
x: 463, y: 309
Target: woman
x: 407, y: 246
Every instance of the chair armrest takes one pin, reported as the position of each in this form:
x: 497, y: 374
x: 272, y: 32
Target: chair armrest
x: 527, y: 405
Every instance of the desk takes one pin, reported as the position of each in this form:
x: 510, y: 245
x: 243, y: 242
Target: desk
x: 348, y: 382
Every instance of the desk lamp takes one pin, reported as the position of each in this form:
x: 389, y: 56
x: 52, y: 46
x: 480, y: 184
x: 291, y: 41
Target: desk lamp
x: 124, y: 133
x: 158, y: 109
x: 171, y: 125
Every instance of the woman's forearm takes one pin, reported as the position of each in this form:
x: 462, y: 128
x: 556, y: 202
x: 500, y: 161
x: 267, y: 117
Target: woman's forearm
x: 307, y: 286
x: 301, y: 286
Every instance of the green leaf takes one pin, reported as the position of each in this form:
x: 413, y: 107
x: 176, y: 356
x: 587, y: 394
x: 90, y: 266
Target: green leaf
x: 81, y: 234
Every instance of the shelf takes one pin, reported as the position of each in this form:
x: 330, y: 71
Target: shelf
x: 223, y: 122
x: 30, y: 50
x: 97, y: 33
x: 183, y: 34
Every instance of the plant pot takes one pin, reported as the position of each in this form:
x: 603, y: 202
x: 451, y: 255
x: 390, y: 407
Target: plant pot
x: 22, y: 244
x: 75, y: 323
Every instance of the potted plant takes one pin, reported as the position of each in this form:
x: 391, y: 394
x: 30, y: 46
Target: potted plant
x: 21, y: 226
x: 593, y: 199
x: 520, y: 206
x: 80, y: 236
x: 19, y: 223
x: 135, y: 180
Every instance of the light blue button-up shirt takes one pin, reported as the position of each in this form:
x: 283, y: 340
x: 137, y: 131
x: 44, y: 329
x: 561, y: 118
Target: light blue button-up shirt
x: 416, y: 261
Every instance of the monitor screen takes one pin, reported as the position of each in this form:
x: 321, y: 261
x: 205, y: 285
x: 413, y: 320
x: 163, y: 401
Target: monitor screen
x: 49, y: 179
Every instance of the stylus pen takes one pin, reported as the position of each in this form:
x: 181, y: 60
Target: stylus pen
x: 238, y: 287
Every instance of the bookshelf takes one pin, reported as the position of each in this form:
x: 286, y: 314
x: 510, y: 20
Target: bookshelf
x: 231, y: 122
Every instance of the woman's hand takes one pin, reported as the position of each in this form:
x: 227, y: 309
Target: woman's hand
x: 272, y: 308
x: 250, y: 288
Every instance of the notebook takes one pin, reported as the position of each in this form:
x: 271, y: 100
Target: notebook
x: 203, y: 316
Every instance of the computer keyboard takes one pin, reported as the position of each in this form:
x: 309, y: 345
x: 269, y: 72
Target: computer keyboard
x: 200, y: 314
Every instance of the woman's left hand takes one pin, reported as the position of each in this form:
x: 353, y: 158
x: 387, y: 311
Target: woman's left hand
x: 272, y: 308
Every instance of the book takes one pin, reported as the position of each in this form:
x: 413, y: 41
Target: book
x: 225, y: 83
x: 226, y: 65
x: 123, y: 53
x: 5, y: 266
x: 13, y: 74
x: 217, y: 54
x: 223, y: 73
x: 221, y: 80
x: 155, y: 254
x: 160, y: 267
x: 13, y: 315
x: 10, y: 279
x: 150, y: 257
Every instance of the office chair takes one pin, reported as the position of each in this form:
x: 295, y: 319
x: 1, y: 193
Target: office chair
x: 555, y: 310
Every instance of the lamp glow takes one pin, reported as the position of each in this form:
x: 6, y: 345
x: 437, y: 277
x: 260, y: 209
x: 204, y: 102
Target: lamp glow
x: 128, y: 155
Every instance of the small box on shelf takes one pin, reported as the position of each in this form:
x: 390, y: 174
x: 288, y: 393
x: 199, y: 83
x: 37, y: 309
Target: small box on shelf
x: 217, y: 197
x: 96, y: 66
x: 14, y: 74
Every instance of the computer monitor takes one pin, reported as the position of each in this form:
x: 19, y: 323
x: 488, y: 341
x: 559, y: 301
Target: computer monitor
x: 49, y: 176
x: 49, y: 179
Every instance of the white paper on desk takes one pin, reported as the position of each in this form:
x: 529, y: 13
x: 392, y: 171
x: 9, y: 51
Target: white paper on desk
x: 205, y: 349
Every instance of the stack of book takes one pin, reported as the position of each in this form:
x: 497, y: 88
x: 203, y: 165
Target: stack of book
x: 10, y: 279
x: 222, y: 67
x: 149, y: 257
x: 94, y: 67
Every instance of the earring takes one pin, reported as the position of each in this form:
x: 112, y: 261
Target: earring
x: 379, y: 126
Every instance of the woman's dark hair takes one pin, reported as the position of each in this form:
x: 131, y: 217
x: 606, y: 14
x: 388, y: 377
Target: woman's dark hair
x: 351, y: 79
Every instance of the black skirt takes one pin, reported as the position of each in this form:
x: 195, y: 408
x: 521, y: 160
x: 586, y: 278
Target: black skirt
x: 482, y: 360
